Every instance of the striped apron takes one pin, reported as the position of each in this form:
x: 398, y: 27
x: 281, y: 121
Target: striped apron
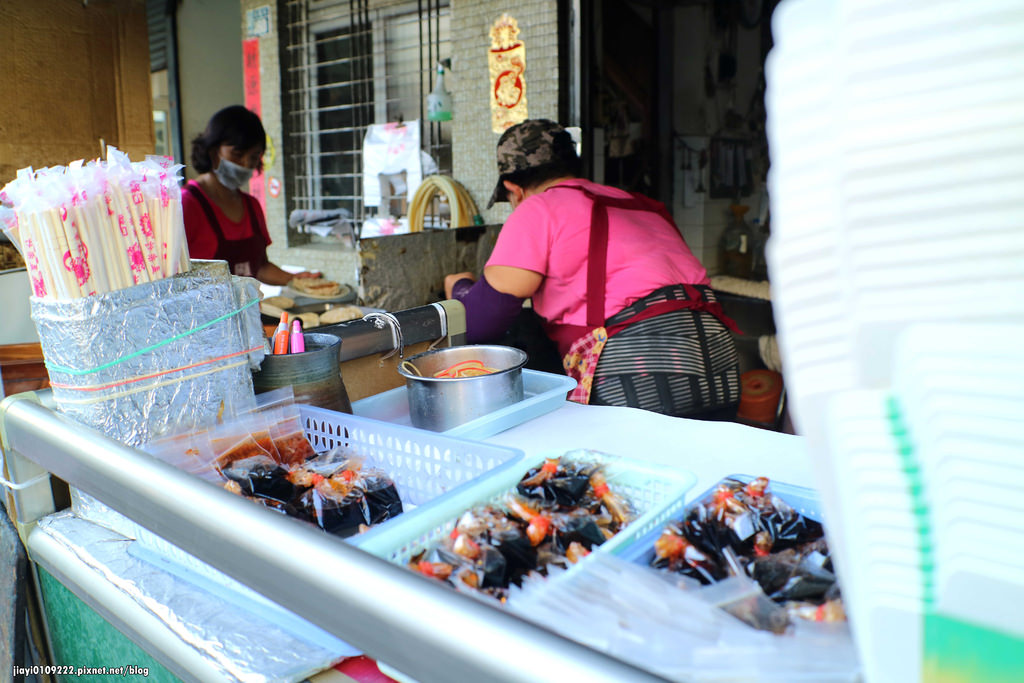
x: 670, y: 352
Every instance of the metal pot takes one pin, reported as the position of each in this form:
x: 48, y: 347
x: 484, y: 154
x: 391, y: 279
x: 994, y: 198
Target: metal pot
x: 438, y: 404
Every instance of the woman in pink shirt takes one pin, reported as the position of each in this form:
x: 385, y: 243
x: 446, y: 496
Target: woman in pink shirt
x: 221, y: 221
x: 620, y: 294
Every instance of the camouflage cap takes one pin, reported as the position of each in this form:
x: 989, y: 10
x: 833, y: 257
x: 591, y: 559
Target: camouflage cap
x: 532, y: 143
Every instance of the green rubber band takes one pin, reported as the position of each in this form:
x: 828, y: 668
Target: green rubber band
x: 165, y: 342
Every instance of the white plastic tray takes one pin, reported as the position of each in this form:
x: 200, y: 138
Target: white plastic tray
x: 543, y: 392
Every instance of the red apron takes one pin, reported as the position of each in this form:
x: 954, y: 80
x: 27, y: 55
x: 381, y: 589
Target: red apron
x: 581, y: 360
x: 245, y: 256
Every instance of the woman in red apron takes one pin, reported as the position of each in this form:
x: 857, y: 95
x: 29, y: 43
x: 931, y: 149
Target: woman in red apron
x: 221, y: 221
x: 621, y: 295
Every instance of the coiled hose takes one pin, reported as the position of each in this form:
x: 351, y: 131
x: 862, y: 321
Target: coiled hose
x: 462, y: 206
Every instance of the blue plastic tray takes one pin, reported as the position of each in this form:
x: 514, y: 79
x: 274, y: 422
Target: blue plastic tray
x: 803, y: 500
x: 543, y: 392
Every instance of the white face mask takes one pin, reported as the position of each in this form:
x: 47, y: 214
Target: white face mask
x: 231, y: 175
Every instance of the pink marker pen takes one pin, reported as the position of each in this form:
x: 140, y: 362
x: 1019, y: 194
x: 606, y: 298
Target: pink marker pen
x: 298, y: 343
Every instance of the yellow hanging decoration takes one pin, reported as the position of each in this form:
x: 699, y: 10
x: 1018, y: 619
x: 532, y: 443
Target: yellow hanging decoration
x: 507, y: 61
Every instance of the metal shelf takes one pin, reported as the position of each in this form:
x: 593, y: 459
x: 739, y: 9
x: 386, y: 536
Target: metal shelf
x: 418, y: 626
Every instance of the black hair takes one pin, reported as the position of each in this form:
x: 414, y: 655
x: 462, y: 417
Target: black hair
x: 235, y: 126
x: 529, y: 178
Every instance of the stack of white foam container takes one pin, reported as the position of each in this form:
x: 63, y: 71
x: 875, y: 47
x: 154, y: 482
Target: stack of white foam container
x: 896, y: 132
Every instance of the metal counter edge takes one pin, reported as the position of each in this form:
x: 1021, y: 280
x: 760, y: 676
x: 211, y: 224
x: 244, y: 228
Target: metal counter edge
x: 418, y: 626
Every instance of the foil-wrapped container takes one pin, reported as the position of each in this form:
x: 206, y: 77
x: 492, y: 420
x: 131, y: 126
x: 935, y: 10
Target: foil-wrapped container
x: 237, y: 634
x: 156, y: 358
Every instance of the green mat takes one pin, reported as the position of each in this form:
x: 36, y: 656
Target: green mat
x: 84, y: 642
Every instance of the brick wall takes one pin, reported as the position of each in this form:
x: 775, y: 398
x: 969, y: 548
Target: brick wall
x: 473, y: 142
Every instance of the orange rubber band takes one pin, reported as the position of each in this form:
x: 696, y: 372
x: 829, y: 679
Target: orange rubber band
x: 111, y: 385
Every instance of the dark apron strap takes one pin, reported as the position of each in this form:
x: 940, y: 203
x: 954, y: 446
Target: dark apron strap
x: 597, y: 250
x: 250, y: 250
x: 252, y: 207
x: 597, y: 264
x: 210, y: 216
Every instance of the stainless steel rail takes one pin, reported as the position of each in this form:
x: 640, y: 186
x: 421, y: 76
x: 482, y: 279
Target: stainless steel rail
x: 420, y: 627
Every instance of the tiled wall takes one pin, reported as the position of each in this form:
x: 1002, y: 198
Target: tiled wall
x: 473, y: 143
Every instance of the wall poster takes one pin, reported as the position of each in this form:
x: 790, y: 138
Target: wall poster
x: 251, y: 76
x: 507, y: 61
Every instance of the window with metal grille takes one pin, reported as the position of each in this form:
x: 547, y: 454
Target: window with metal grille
x: 348, y: 65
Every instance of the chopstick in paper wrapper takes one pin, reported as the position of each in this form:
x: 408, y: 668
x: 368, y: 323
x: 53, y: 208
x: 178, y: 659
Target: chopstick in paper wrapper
x: 135, y: 347
x: 95, y: 228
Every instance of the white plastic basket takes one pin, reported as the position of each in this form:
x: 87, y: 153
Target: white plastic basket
x: 424, y: 465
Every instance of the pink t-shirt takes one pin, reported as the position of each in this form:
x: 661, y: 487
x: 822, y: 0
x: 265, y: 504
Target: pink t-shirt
x: 549, y: 234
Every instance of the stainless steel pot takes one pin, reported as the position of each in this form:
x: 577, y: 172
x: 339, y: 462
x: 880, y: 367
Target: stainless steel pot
x: 438, y: 404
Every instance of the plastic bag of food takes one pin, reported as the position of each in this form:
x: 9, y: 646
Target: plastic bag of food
x: 744, y: 599
x: 289, y: 436
x: 345, y: 497
x: 259, y: 428
x: 336, y: 506
x: 233, y: 441
x: 676, y: 552
x: 189, y: 452
x: 260, y: 476
x: 802, y: 573
x: 557, y: 481
x: 382, y: 499
x: 276, y: 398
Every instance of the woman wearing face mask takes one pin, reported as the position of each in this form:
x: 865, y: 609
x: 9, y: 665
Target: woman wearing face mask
x: 221, y: 221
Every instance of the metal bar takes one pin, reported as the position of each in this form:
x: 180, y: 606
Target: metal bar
x: 337, y: 107
x: 340, y: 129
x: 419, y: 13
x: 420, y: 627
x: 435, y: 127
x: 326, y: 62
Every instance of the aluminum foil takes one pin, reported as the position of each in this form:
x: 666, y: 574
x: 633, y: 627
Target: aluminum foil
x: 185, y: 383
x: 238, y: 632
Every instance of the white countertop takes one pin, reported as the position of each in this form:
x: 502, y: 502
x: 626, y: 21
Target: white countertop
x: 711, y: 450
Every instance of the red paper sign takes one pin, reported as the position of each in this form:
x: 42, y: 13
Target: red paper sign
x: 251, y: 74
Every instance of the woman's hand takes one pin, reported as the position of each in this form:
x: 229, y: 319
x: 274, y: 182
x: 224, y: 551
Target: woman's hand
x: 273, y: 275
x: 450, y: 280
